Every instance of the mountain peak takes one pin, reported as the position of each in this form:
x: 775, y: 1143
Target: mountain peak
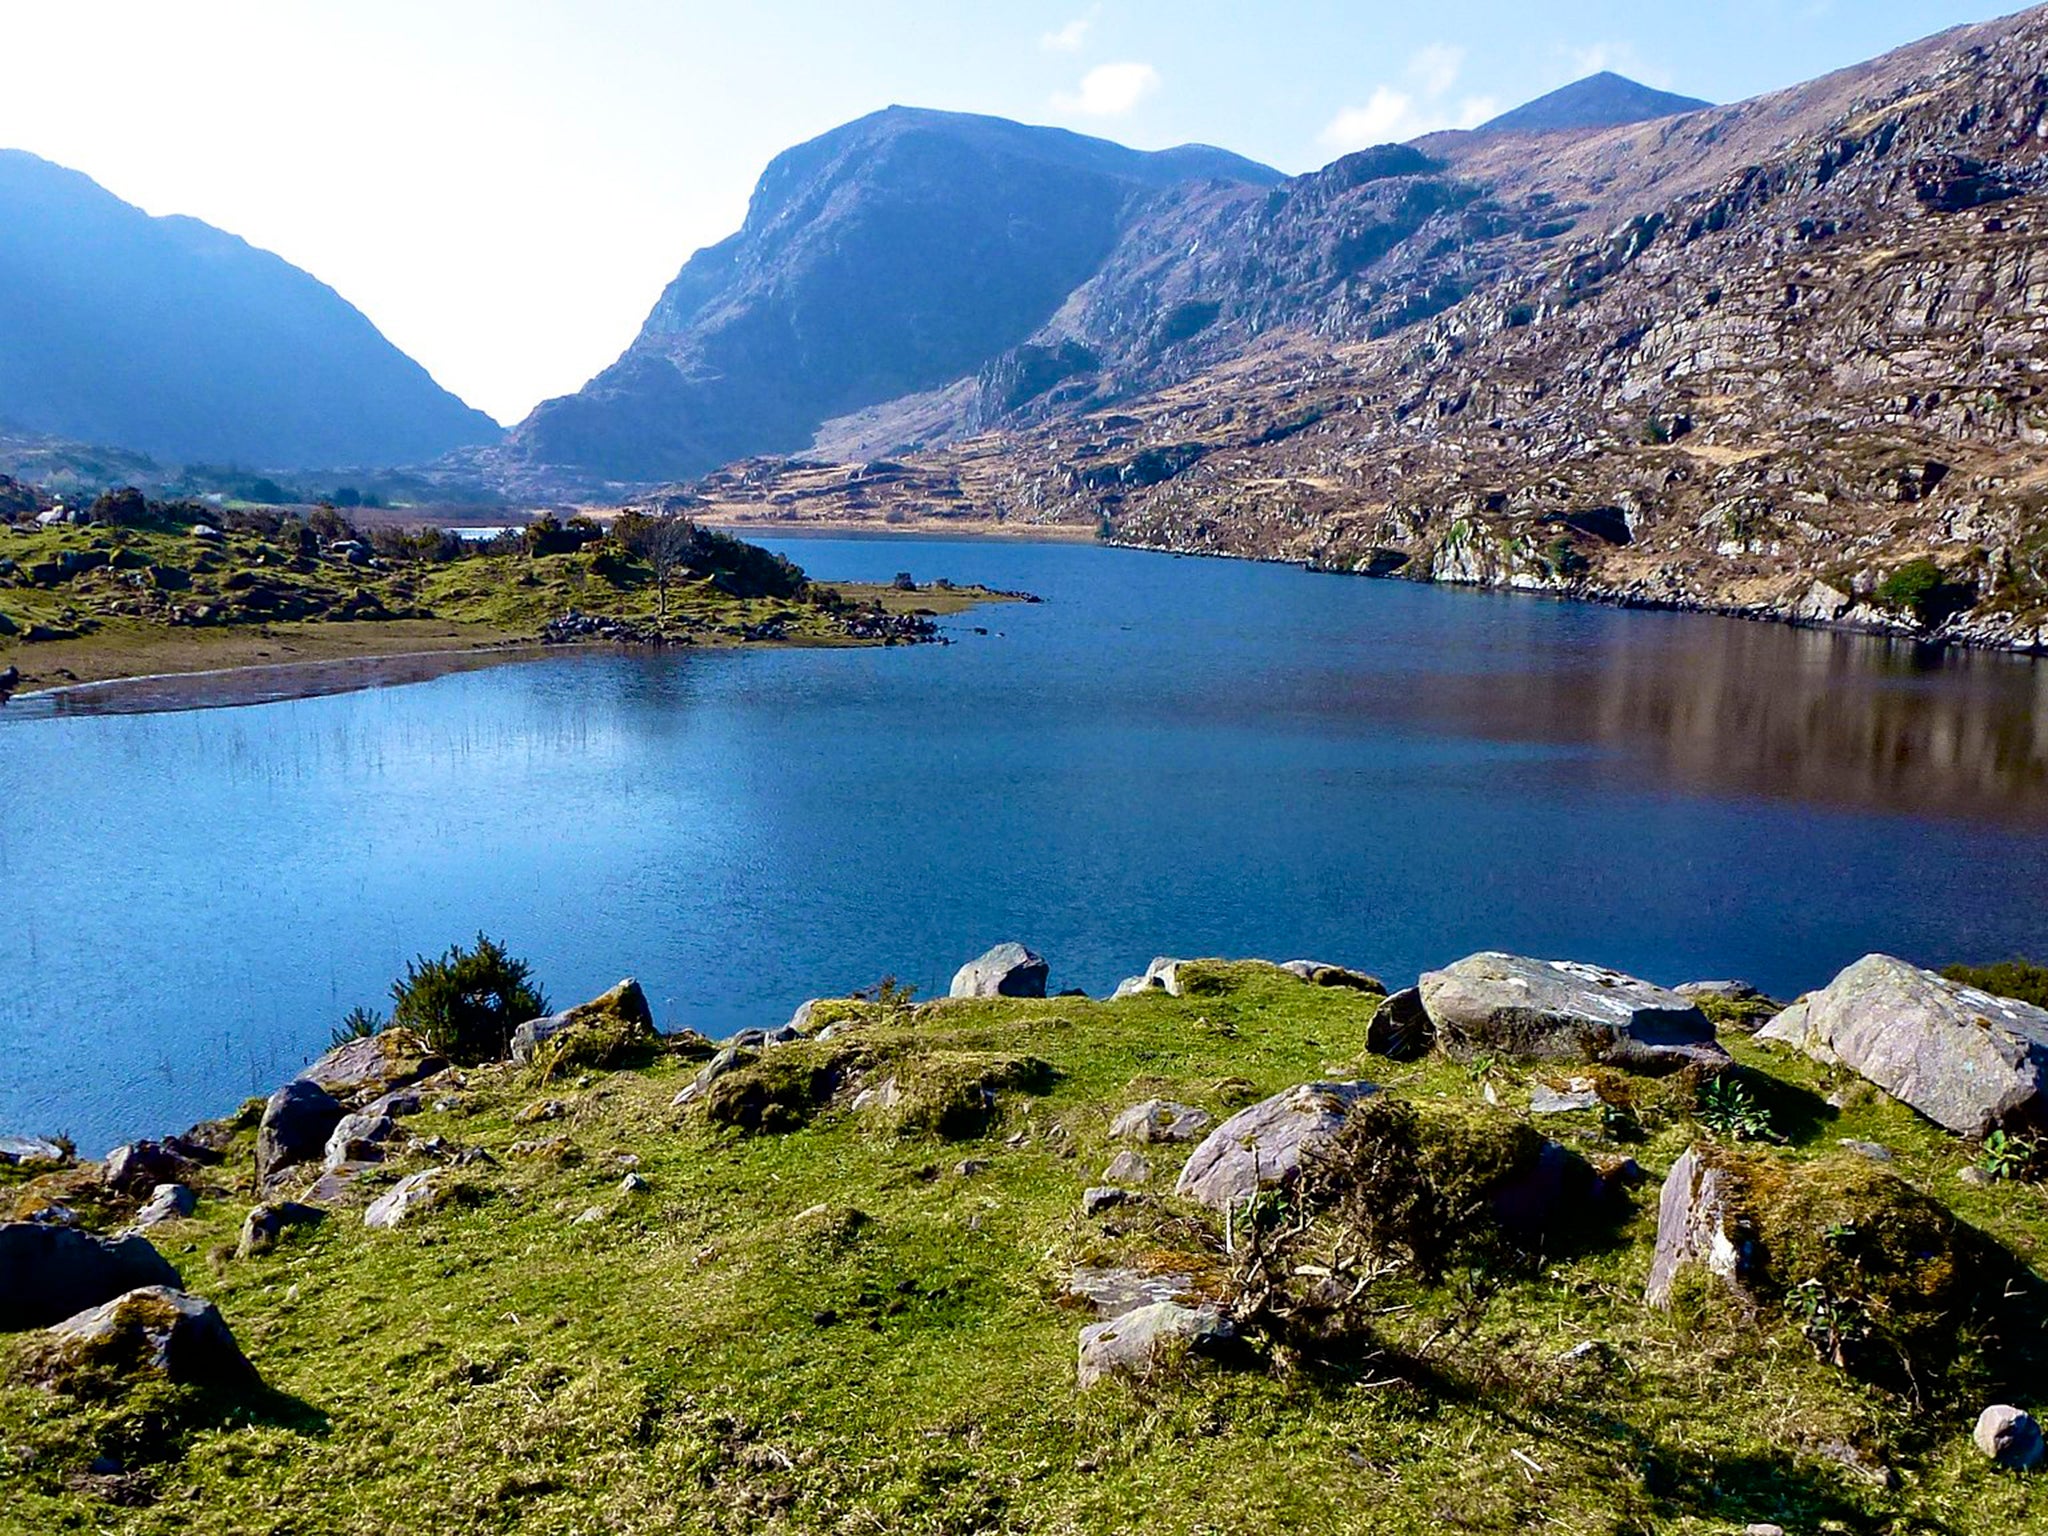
x: 1604, y: 100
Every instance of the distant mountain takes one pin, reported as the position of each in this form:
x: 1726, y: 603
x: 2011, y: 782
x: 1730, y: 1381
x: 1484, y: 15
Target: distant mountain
x: 175, y: 339
x: 1605, y: 100
x: 889, y: 256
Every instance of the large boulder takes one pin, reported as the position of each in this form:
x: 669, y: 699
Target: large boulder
x: 141, y: 1165
x: 1008, y: 970
x: 1967, y: 1060
x: 1263, y: 1146
x: 48, y: 1272
x: 358, y: 1138
x: 297, y: 1120
x: 1400, y: 1028
x: 154, y: 1331
x: 1561, y: 1010
x: 28, y: 1151
x: 1138, y: 1341
x: 359, y: 1070
x: 592, y: 1034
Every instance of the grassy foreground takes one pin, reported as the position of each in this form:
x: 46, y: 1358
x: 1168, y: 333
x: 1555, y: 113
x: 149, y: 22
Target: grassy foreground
x: 833, y: 1328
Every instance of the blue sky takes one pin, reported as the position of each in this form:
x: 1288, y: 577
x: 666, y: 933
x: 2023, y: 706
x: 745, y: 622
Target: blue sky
x: 505, y: 185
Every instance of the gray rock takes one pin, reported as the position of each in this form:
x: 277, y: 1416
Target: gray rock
x: 1008, y: 970
x: 411, y: 1195
x: 971, y: 1167
x: 2009, y: 1437
x: 1561, y: 1010
x: 1319, y: 974
x: 169, y: 1202
x: 1135, y: 1343
x: 1102, y: 1198
x: 1967, y: 1060
x: 1980, y: 1177
x: 297, y: 1120
x: 800, y: 1021
x: 265, y: 1226
x: 624, y: 1006
x: 1876, y: 1152
x: 886, y: 1094
x: 336, y: 1184
x: 1262, y: 1146
x: 1578, y: 1093
x: 1114, y: 1292
x: 394, y: 1105
x: 634, y: 1184
x: 49, y: 1272
x: 1128, y: 1167
x: 1400, y: 1028
x: 1160, y: 1120
x: 141, y: 1165
x: 18, y: 1151
x: 373, y: 1064
x: 1696, y: 1225
x: 152, y: 1330
x: 725, y: 1061
x: 1162, y: 975
x: 358, y: 1138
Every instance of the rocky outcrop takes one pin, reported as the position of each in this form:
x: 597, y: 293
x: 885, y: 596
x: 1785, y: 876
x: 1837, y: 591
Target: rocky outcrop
x: 1561, y: 1010
x: 1139, y: 1341
x: 1967, y: 1060
x: 297, y: 1120
x: 1322, y: 974
x: 409, y: 1197
x: 153, y: 1331
x: 1262, y: 1147
x: 167, y: 1202
x: 48, y: 1272
x: 1697, y: 1224
x: 1160, y: 1120
x: 359, y: 1070
x: 1008, y: 970
x: 265, y: 1225
x: 1162, y: 975
x: 1400, y: 1028
x: 593, y: 1034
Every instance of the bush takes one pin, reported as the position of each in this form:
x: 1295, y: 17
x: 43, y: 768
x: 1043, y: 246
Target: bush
x: 1921, y: 589
x: 466, y: 1004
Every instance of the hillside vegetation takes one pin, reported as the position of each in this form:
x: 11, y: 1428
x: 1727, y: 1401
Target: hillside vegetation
x: 834, y: 1290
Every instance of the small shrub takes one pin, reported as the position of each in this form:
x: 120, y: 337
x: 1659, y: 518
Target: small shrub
x: 1920, y: 588
x: 359, y: 1023
x: 2014, y: 1158
x: 466, y: 1003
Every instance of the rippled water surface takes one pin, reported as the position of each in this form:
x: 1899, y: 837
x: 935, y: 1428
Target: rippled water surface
x: 1168, y: 756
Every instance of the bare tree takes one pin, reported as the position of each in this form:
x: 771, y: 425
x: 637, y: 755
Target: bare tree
x: 666, y: 544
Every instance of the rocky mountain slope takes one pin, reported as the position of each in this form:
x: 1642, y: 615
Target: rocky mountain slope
x: 1605, y: 100
x: 889, y: 256
x: 175, y: 339
x: 1777, y: 358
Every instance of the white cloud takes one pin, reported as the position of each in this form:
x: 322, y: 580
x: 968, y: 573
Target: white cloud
x: 1109, y: 90
x: 1422, y: 101
x: 1072, y: 37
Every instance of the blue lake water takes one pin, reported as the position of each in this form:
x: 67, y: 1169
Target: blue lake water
x: 1166, y: 757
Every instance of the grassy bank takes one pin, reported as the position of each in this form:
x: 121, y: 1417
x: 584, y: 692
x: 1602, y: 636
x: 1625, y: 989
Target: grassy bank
x: 162, y: 593
x: 845, y: 1324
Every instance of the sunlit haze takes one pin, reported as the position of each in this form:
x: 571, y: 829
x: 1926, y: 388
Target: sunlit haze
x: 505, y: 187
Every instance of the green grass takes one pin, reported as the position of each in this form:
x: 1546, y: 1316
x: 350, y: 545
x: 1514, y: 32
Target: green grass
x: 830, y: 1330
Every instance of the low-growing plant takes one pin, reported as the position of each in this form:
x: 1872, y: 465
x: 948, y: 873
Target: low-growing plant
x: 2024, y: 981
x: 2012, y: 1158
x: 1725, y: 1106
x: 466, y: 1003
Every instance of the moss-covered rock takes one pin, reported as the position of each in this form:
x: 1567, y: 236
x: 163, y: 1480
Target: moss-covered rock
x: 952, y: 1094
x: 603, y: 1033
x: 153, y: 1332
x: 778, y: 1091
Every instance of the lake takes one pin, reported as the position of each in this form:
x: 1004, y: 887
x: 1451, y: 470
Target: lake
x: 1167, y: 757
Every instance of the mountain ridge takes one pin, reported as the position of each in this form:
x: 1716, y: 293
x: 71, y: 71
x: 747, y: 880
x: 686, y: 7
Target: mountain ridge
x: 174, y: 338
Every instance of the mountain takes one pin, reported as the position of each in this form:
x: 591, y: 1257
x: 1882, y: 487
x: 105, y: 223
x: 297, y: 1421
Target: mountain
x: 886, y: 257
x: 1605, y: 100
x: 175, y: 339
x: 1771, y: 358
